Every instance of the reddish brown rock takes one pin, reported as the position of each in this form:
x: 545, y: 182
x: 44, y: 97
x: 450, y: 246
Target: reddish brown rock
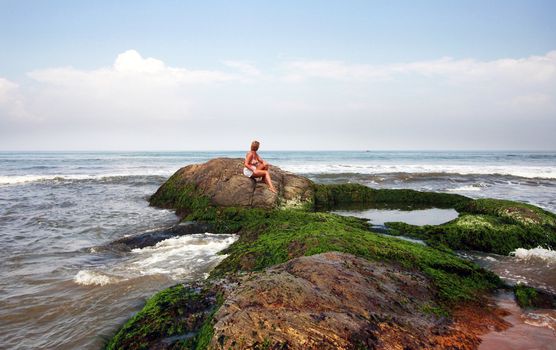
x: 327, y: 301
x: 338, y: 301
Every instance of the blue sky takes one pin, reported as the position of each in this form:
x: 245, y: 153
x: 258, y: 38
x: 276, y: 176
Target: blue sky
x: 326, y: 66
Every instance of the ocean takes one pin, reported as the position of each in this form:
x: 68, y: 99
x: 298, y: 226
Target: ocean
x: 61, y: 287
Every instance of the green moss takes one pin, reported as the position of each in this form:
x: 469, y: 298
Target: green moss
x: 179, y: 195
x: 331, y: 196
x: 273, y: 237
x: 482, y: 232
x: 177, y: 310
x: 512, y: 212
x: 525, y: 296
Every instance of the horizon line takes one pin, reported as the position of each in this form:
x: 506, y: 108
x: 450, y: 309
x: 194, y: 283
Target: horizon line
x: 281, y: 150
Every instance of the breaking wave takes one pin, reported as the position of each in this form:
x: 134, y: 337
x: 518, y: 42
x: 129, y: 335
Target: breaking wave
x: 178, y: 258
x: 539, y: 253
x: 21, y: 179
x: 547, y: 172
x: 92, y: 278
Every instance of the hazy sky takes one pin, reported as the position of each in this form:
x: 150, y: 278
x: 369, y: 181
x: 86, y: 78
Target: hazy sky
x: 213, y: 75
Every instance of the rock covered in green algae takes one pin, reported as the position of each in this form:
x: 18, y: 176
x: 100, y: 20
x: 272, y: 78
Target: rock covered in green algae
x: 531, y: 297
x: 220, y: 182
x: 489, y: 225
x: 268, y: 238
x: 177, y: 317
x: 330, y: 196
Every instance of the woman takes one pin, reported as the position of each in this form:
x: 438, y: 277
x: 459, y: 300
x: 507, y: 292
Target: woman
x: 255, y: 166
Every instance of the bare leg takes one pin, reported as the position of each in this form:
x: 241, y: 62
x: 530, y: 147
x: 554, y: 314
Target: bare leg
x: 262, y: 166
x: 266, y: 177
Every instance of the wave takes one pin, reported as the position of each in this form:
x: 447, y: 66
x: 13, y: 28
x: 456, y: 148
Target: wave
x: 532, y: 172
x: 178, y: 258
x: 539, y: 253
x: 90, y: 278
x: 468, y: 188
x: 541, y: 172
x: 21, y: 179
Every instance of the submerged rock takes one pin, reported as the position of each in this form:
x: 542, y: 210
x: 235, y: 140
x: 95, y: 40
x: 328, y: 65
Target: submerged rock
x: 220, y: 182
x: 151, y: 238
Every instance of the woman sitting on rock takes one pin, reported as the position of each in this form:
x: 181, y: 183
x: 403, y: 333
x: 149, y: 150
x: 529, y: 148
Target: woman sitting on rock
x: 256, y: 167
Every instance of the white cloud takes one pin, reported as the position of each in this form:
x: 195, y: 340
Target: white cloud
x: 130, y: 65
x: 244, y: 67
x: 535, y: 69
x: 11, y: 101
x: 323, y: 104
x: 134, y: 88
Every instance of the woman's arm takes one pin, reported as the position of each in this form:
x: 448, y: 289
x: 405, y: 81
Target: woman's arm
x: 247, y: 161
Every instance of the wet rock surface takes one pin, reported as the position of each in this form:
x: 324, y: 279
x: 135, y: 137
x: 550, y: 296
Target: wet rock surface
x: 334, y: 301
x: 151, y: 238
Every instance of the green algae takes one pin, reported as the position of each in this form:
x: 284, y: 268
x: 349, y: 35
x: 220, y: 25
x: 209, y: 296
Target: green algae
x: 528, y: 297
x: 175, y: 311
x: 488, y: 225
x: 181, y: 196
x: 272, y: 237
x: 525, y: 296
x: 512, y: 212
x: 332, y: 196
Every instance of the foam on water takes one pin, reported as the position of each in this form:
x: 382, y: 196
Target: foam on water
x: 91, y: 278
x: 547, y: 172
x: 467, y: 188
x: 177, y: 258
x: 22, y: 179
x: 180, y: 256
x: 541, y: 318
x: 539, y: 253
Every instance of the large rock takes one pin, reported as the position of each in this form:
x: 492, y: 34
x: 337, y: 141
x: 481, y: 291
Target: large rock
x: 221, y: 180
x: 339, y: 301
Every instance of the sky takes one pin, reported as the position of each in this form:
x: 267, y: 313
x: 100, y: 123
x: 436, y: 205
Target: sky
x: 295, y: 75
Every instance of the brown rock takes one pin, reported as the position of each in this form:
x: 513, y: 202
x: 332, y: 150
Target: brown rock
x: 326, y: 301
x: 222, y: 181
x: 338, y: 301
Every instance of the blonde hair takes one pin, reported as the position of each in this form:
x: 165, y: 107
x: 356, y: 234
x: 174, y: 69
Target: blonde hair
x: 255, y: 146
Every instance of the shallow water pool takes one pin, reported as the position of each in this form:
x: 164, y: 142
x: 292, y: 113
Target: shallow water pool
x: 419, y: 217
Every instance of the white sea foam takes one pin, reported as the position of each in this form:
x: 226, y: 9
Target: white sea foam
x: 468, y: 188
x: 179, y: 257
x: 548, y: 172
x: 547, y: 255
x: 541, y: 318
x: 88, y: 278
x: 19, y: 179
